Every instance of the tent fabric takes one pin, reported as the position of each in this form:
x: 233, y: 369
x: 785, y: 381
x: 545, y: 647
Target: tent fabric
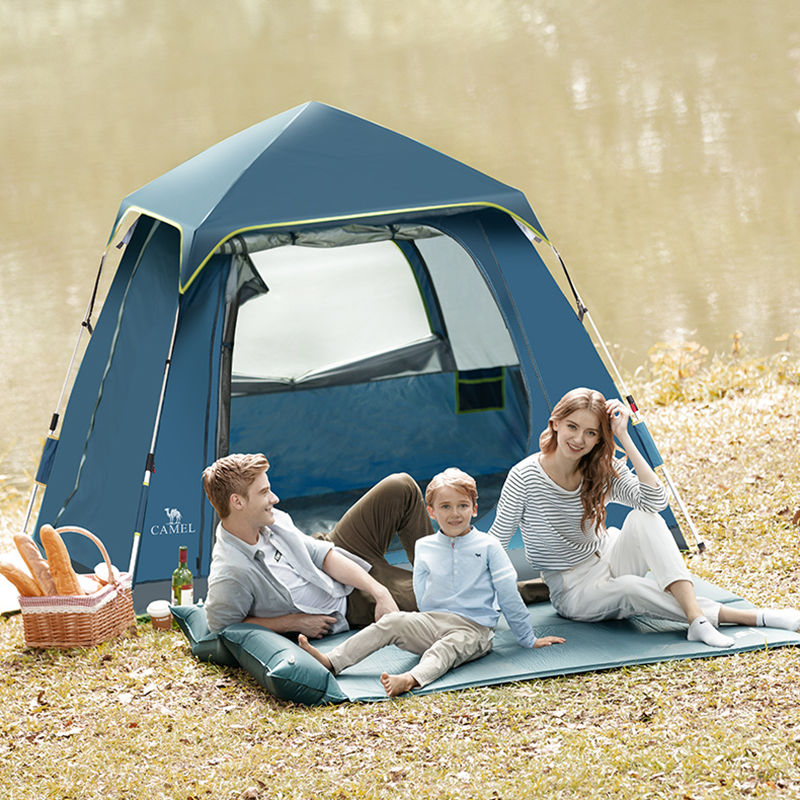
x: 113, y: 401
x: 305, y: 324
x: 325, y: 237
x: 350, y: 163
x: 399, y: 415
x: 493, y: 344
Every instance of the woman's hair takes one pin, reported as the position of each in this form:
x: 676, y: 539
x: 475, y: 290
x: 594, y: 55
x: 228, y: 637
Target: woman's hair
x: 597, y: 466
x: 232, y: 474
x: 452, y: 477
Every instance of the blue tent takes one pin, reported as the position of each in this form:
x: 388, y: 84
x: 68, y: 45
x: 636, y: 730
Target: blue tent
x: 318, y: 288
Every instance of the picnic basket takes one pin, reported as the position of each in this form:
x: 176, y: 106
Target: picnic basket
x: 80, y: 621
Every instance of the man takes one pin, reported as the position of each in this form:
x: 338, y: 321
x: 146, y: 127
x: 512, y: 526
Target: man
x: 265, y: 571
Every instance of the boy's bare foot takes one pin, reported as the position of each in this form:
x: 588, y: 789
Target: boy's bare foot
x: 398, y: 684
x: 309, y: 648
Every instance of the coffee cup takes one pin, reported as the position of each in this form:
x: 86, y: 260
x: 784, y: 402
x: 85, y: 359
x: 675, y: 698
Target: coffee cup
x: 160, y: 615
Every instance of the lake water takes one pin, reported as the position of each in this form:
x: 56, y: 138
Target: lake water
x: 658, y: 142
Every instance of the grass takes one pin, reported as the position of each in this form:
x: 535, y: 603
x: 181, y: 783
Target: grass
x: 139, y: 717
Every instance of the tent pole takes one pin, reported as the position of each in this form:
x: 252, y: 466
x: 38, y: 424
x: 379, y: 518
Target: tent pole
x: 583, y: 312
x: 51, y: 442
x: 701, y: 545
x: 150, y: 465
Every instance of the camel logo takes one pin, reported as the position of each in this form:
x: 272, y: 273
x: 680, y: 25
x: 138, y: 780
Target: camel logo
x: 174, y: 525
x: 174, y: 516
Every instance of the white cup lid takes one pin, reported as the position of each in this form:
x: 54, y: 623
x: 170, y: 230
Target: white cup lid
x: 158, y: 608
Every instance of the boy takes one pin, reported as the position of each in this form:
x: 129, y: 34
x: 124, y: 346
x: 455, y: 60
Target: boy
x: 458, y: 572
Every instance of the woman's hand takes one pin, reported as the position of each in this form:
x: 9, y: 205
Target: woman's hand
x: 618, y: 414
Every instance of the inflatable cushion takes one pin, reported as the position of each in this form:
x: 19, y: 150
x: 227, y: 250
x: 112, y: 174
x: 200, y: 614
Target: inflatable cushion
x: 280, y: 666
x: 205, y: 645
x: 286, y: 671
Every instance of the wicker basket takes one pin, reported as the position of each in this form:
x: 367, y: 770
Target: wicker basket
x: 80, y: 621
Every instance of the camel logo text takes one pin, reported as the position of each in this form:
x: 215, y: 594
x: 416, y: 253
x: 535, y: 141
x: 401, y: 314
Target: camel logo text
x: 175, y: 524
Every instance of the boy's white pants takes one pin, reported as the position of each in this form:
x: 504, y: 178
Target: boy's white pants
x: 611, y: 584
x: 443, y: 640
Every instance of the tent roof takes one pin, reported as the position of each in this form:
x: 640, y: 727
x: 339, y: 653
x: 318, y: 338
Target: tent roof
x: 312, y: 164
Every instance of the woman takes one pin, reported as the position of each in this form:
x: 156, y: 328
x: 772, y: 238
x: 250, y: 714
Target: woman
x: 558, y: 496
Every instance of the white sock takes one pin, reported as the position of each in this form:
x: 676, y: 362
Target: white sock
x: 786, y: 618
x: 701, y: 630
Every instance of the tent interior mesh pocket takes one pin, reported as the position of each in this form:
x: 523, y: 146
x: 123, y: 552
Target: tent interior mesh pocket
x: 480, y: 390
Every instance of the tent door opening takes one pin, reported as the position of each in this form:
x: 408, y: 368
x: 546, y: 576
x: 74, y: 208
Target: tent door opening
x: 357, y: 356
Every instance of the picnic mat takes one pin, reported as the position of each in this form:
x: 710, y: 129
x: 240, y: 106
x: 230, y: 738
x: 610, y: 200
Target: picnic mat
x: 589, y: 646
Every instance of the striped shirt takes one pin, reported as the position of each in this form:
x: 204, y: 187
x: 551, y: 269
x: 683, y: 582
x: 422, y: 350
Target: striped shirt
x: 549, y: 517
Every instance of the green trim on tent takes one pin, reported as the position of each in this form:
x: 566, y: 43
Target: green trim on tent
x: 305, y: 222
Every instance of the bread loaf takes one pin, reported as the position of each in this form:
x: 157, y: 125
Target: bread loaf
x: 24, y: 583
x: 38, y: 567
x: 65, y: 578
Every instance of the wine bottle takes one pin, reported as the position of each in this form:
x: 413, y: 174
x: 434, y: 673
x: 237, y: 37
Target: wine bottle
x: 182, y: 581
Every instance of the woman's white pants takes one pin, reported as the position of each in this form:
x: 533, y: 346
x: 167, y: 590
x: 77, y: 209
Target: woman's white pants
x: 612, y: 583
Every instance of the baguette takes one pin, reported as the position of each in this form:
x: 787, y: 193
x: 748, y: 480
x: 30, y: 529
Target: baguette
x: 64, y: 577
x: 39, y: 568
x: 23, y: 582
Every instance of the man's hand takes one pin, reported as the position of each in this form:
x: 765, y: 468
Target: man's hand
x: 384, y: 604
x: 314, y: 626
x: 346, y: 571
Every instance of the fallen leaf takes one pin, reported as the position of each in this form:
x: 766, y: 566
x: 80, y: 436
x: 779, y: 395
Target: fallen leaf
x: 68, y: 732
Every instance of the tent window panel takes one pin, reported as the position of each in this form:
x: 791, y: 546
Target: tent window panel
x: 480, y: 390
x: 327, y: 307
x: 475, y: 326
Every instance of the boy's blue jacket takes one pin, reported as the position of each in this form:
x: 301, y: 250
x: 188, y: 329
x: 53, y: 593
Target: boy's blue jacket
x: 466, y: 575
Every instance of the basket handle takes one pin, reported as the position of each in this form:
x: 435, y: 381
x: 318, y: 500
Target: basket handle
x: 112, y: 579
